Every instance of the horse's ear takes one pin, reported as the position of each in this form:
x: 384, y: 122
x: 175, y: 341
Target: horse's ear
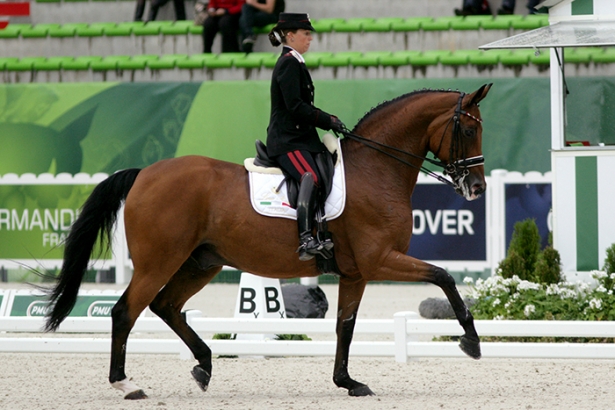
x: 481, y: 93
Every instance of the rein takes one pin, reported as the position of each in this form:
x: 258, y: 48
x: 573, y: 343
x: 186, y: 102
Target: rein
x: 457, y: 169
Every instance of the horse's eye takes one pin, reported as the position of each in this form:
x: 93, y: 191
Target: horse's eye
x: 469, y: 132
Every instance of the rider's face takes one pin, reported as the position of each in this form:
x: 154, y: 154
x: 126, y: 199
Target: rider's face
x: 300, y: 40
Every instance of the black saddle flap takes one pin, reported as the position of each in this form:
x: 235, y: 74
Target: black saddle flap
x: 325, y: 161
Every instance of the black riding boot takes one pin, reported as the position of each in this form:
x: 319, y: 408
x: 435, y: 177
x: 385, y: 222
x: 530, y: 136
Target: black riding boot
x: 308, y: 246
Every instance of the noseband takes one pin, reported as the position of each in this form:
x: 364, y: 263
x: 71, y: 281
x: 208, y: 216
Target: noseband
x: 457, y: 169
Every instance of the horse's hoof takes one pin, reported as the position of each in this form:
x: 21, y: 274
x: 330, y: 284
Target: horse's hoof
x: 361, y: 391
x: 136, y: 395
x: 470, y: 346
x: 201, y: 376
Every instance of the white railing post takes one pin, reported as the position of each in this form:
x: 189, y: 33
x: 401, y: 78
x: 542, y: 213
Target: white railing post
x: 400, y: 330
x: 498, y: 218
x: 184, y: 352
x: 120, y: 250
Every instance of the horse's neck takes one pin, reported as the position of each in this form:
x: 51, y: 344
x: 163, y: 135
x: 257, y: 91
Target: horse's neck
x: 405, y: 126
x: 386, y: 176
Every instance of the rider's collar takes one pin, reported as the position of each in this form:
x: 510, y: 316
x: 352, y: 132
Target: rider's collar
x: 295, y: 54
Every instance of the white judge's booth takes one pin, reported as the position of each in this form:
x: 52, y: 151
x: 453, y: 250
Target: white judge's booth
x: 582, y: 161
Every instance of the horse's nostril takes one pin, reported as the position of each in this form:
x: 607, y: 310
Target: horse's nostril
x: 478, y: 189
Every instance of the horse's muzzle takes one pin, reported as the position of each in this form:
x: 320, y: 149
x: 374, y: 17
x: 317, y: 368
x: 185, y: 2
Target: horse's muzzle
x: 473, y: 187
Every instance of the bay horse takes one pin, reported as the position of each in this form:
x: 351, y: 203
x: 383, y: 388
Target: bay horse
x: 187, y: 217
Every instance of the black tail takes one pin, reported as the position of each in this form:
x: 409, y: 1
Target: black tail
x: 95, y: 221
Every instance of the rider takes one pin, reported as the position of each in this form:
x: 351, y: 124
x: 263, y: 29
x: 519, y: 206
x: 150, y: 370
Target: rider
x: 292, y: 139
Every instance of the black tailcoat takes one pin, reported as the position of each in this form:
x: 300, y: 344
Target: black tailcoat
x: 293, y: 115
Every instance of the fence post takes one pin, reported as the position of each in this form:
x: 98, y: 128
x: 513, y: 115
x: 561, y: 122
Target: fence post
x: 120, y: 250
x: 498, y: 218
x: 184, y: 352
x: 400, y: 330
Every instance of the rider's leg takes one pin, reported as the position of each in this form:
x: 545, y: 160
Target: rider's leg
x: 308, y: 246
x: 300, y: 166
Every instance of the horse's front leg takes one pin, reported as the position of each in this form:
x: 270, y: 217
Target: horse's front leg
x: 349, y: 298
x: 403, y: 268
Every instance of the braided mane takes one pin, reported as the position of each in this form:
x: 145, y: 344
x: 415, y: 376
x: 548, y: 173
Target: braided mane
x: 401, y: 97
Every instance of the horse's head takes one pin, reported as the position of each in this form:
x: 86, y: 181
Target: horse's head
x: 457, y: 142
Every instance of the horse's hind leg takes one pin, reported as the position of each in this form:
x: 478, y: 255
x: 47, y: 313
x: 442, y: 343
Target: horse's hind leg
x: 349, y: 298
x: 168, y: 304
x: 124, y: 315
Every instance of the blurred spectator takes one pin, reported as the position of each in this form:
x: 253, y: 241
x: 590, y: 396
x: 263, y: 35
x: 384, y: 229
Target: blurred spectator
x: 180, y: 9
x: 508, y: 6
x: 222, y: 16
x: 139, y: 10
x: 200, y: 11
x: 473, y: 8
x: 257, y: 13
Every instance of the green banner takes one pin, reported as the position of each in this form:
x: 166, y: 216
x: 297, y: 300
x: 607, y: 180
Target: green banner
x: 35, y: 219
x: 86, y: 305
x: 104, y: 127
x: 92, y: 127
x: 227, y: 117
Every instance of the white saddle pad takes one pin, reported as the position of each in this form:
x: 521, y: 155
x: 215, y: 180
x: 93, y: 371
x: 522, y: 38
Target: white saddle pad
x: 268, y: 201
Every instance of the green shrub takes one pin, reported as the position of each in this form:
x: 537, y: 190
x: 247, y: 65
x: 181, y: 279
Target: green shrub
x: 526, y: 261
x: 609, y: 262
x: 515, y: 299
x: 292, y: 337
x: 512, y: 265
x: 548, y: 267
x: 224, y: 336
x: 523, y: 251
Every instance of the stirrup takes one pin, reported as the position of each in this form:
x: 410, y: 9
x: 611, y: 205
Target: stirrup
x: 327, y: 244
x: 309, y: 248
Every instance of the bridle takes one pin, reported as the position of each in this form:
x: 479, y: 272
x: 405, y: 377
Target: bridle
x: 457, y: 169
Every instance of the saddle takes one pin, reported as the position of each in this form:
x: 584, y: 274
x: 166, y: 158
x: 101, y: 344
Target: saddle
x: 325, y: 162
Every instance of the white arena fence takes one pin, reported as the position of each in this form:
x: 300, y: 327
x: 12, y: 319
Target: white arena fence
x: 405, y: 329
x: 435, y: 226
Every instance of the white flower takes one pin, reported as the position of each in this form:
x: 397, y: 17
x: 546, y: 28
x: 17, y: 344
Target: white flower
x: 597, y: 274
x: 527, y: 285
x: 566, y: 293
x: 468, y: 280
x: 498, y: 317
x: 496, y: 302
x: 601, y: 289
x: 529, y: 309
x: 595, y: 304
x: 499, y: 288
x: 552, y: 289
x: 612, y: 276
x: 583, y: 287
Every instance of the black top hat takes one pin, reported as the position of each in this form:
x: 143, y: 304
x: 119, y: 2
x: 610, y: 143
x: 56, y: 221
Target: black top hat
x: 294, y: 21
